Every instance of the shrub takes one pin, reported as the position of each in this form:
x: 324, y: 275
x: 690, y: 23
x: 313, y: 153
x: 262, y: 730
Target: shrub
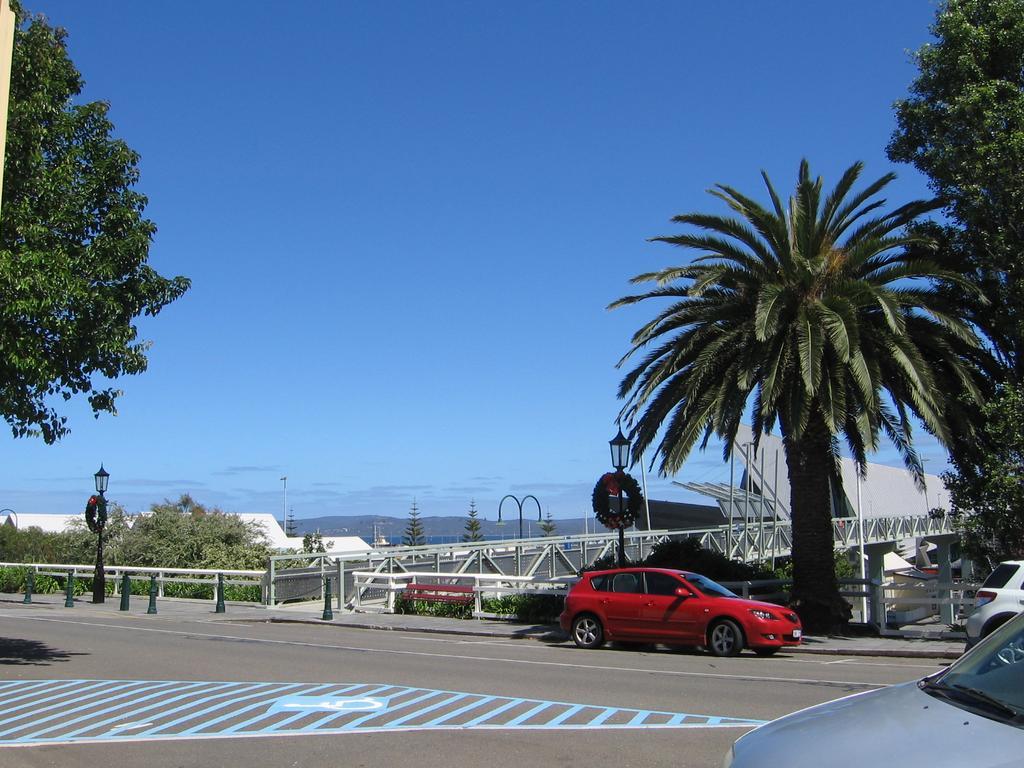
x: 533, y: 609
x: 12, y: 579
x: 426, y: 608
x: 688, y: 555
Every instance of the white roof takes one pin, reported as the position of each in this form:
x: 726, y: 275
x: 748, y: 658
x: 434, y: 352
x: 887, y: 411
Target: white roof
x: 280, y: 540
x: 48, y: 523
x: 885, y: 492
x: 338, y: 544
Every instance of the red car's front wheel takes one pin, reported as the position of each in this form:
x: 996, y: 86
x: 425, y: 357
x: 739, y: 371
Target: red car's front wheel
x: 725, y: 638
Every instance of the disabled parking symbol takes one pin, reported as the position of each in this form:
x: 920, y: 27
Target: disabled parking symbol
x: 327, y: 704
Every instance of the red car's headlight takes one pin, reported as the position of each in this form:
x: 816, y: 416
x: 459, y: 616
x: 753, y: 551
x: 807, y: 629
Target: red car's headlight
x: 764, y: 615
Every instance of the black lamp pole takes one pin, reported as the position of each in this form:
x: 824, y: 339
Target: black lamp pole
x: 620, y: 460
x: 519, y: 504
x: 99, y: 578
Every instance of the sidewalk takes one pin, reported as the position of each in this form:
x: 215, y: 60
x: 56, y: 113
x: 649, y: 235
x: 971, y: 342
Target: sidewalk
x: 310, y: 613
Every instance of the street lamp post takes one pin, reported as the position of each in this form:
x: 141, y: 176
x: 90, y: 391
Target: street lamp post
x: 620, y: 460
x: 99, y: 580
x: 519, y: 505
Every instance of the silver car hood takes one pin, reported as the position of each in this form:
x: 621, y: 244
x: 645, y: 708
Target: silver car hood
x: 885, y: 727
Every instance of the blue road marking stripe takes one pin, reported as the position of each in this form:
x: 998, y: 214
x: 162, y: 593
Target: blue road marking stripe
x: 565, y: 715
x: 62, y: 711
x: 608, y: 712
x: 332, y: 716
x: 67, y: 687
x: 191, y: 686
x: 639, y: 717
x: 425, y: 710
x: 88, y: 716
x: 390, y: 708
x: 189, y: 715
x: 258, y: 705
x: 120, y: 708
x: 95, y: 691
x: 530, y: 713
x: 460, y: 711
x: 493, y: 713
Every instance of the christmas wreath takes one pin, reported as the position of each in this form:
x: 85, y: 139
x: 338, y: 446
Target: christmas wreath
x: 96, y: 513
x: 609, y: 485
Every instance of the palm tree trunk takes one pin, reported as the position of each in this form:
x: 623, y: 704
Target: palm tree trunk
x: 815, y: 588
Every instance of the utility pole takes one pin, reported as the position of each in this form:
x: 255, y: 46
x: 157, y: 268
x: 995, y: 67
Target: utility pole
x: 284, y: 505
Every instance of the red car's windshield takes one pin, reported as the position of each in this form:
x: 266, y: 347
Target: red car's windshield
x: 708, y: 587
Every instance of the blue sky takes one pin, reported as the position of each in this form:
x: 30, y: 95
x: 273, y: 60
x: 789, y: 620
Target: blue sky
x: 403, y: 222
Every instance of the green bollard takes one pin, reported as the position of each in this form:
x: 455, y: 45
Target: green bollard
x: 152, y: 594
x: 220, y: 594
x: 69, y: 599
x: 30, y: 584
x: 126, y: 592
x: 328, y: 614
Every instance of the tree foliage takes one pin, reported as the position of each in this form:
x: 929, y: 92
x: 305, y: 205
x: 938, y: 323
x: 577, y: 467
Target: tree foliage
x: 988, y: 496
x: 179, y: 534
x: 473, y: 528
x: 548, y: 525
x: 963, y: 127
x: 821, y: 313
x: 74, y: 244
x: 413, y: 535
x: 186, y: 534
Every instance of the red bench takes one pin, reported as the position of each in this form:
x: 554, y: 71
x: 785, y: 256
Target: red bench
x: 438, y: 593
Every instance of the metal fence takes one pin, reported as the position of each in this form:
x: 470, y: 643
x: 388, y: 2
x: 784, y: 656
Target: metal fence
x: 302, y: 576
x: 164, y: 576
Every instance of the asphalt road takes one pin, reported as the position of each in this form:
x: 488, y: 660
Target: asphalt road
x: 145, y: 690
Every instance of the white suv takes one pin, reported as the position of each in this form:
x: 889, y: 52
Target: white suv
x: 999, y: 599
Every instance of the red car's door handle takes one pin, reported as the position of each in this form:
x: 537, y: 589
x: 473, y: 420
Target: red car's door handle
x: 650, y: 605
x: 605, y: 601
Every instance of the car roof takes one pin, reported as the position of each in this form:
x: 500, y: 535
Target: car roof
x: 633, y: 569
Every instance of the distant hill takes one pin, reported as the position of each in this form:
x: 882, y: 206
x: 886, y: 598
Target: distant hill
x: 451, y: 528
x: 664, y: 514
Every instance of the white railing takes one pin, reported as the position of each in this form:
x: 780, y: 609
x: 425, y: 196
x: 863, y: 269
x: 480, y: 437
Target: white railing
x: 115, y: 573
x: 484, y: 585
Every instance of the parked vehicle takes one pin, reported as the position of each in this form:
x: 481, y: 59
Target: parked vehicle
x: 659, y: 605
x: 998, y: 600
x: 969, y: 714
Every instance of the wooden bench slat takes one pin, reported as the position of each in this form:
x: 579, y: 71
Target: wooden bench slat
x: 440, y: 593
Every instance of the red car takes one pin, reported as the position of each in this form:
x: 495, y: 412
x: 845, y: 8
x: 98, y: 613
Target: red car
x: 658, y: 605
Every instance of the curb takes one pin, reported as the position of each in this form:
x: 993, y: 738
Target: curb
x: 556, y: 635
x: 910, y: 653
x: 552, y: 635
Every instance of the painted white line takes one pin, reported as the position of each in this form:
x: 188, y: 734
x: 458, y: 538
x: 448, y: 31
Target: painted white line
x: 359, y: 731
x: 859, y: 663
x: 482, y: 659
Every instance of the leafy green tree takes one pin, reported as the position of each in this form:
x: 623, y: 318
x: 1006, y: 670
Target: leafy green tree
x: 313, y: 543
x: 547, y: 526
x: 413, y: 535
x: 988, y: 496
x: 73, y: 244
x: 473, y: 528
x: 185, y: 534
x: 815, y: 314
x: 963, y: 127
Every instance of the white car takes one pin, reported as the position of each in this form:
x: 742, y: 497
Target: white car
x: 970, y: 715
x: 998, y: 600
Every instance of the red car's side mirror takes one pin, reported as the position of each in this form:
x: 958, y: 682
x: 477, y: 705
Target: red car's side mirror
x: 683, y: 592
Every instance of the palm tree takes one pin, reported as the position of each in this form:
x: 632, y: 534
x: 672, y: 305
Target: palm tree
x: 823, y: 317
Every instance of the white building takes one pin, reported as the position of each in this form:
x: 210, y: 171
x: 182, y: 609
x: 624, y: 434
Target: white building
x: 277, y: 538
x: 280, y: 540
